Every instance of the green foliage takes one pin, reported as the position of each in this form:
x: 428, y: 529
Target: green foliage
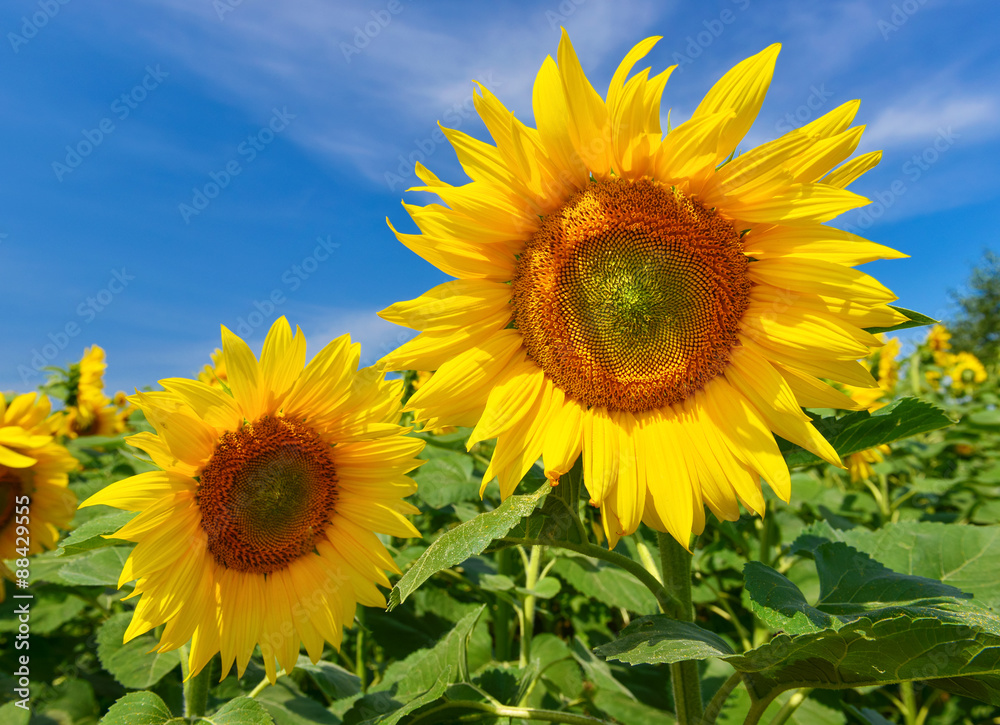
x: 976, y: 326
x: 886, y: 590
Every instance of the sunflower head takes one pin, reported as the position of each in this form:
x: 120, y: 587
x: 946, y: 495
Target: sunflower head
x: 215, y: 373
x: 89, y: 412
x: 33, y: 469
x: 966, y: 372
x: 657, y: 304
x: 260, y: 527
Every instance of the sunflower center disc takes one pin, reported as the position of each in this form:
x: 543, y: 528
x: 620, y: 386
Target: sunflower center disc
x: 630, y: 296
x: 266, y: 495
x: 10, y: 490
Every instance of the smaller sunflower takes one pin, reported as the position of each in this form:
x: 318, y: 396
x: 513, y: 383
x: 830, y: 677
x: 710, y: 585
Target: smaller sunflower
x: 89, y: 412
x: 214, y: 374
x: 885, y: 367
x: 33, y: 473
x: 860, y: 464
x: 966, y: 372
x: 261, y: 526
x: 938, y: 340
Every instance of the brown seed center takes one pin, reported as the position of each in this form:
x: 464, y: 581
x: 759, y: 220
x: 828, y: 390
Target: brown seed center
x: 629, y: 297
x: 267, y: 495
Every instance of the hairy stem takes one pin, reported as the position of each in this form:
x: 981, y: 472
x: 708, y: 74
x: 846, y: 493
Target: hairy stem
x: 675, y: 562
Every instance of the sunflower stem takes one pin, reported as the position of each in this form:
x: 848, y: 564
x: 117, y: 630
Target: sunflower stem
x: 195, y: 687
x: 359, y: 649
x: 594, y: 551
x: 504, y: 612
x: 675, y: 562
x: 528, y: 619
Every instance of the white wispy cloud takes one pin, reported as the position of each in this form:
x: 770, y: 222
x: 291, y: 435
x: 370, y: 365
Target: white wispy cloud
x: 919, y: 117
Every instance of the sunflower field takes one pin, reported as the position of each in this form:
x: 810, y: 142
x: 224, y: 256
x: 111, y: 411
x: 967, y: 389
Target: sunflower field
x: 660, y: 453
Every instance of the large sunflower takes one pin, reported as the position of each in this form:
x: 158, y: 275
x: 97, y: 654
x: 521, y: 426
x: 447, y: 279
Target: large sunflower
x: 33, y: 468
x: 640, y: 298
x: 261, y: 526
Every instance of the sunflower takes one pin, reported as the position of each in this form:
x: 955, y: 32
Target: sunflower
x: 640, y: 300
x: 966, y: 372
x: 260, y: 527
x: 89, y: 412
x: 938, y: 340
x: 33, y: 469
x: 886, y: 366
x: 859, y: 464
x: 214, y: 374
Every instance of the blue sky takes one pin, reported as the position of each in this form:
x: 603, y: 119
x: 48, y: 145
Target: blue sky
x: 320, y: 109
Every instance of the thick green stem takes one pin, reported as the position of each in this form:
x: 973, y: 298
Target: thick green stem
x: 718, y: 701
x: 676, y: 564
x: 528, y: 606
x: 359, y: 649
x: 196, y: 687
x: 504, y: 612
x: 594, y: 551
x: 789, y: 708
x: 909, y: 703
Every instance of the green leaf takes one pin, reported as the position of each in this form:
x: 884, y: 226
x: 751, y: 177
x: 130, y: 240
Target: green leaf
x: 132, y: 664
x: 780, y: 605
x: 545, y: 589
x: 966, y: 557
x: 884, y: 628
x: 287, y: 705
x: 862, y: 430
x: 100, y: 567
x: 984, y: 418
x: 239, y: 711
x: 138, y: 708
x: 90, y: 535
x: 606, y: 583
x: 496, y: 582
x: 335, y: 682
x: 915, y: 320
x: 658, y: 638
x: 853, y: 583
x: 465, y: 540
x: 11, y: 714
x: 420, y: 671
x: 627, y: 709
x: 50, y: 609
x: 419, y: 680
x: 446, y: 479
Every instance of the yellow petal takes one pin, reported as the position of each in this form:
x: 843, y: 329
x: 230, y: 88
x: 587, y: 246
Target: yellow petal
x: 775, y: 402
x: 243, y: 375
x: 742, y: 89
x: 281, y: 361
x: 141, y: 491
